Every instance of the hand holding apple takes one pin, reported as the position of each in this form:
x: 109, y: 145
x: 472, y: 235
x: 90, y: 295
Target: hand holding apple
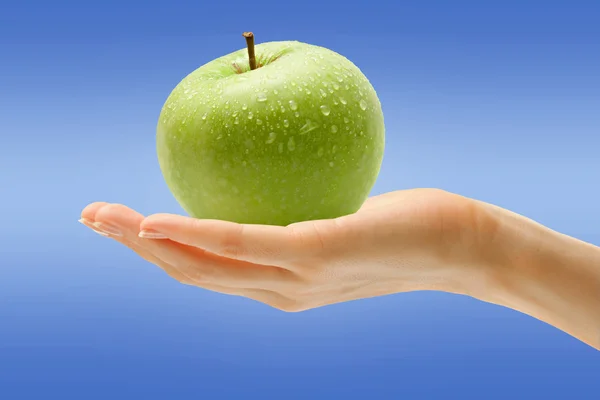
x: 394, y: 243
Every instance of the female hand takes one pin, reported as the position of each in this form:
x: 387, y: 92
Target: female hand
x: 422, y: 239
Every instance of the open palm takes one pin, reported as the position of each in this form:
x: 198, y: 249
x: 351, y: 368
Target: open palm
x: 398, y: 241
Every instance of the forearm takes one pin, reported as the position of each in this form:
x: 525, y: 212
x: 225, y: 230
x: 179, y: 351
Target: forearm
x: 547, y: 275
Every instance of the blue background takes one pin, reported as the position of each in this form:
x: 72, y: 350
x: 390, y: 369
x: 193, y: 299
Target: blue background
x: 495, y: 100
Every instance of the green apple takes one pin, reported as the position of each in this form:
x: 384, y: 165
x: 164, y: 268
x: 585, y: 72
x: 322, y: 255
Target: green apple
x: 298, y: 137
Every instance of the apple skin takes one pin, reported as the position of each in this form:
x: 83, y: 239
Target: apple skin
x: 299, y: 138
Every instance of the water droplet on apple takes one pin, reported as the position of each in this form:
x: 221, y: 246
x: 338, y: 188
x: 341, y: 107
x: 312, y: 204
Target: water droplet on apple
x: 272, y: 137
x: 343, y: 101
x: 331, y: 164
x: 346, y: 120
x: 325, y: 110
x: 293, y: 105
x: 307, y: 127
x: 363, y: 105
x: 323, y: 94
x: 336, y: 86
x: 244, y: 107
x: 334, y: 148
x: 308, y: 91
x: 320, y: 151
x: 286, y: 123
x: 334, y: 129
x: 261, y: 97
x: 236, y: 121
x: 204, y: 116
x: 280, y: 147
x: 291, y: 144
x: 296, y: 114
x: 258, y: 121
x: 250, y: 115
x: 275, y: 91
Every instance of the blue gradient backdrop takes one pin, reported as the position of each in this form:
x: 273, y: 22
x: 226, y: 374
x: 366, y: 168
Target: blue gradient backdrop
x: 495, y: 100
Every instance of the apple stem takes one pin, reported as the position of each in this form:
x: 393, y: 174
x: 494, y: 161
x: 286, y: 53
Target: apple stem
x: 250, y: 43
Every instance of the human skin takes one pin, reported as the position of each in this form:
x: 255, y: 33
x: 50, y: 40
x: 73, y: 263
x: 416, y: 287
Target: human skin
x: 420, y: 239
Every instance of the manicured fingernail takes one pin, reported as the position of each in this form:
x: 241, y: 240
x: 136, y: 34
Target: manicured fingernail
x: 108, y: 228
x: 100, y: 233
x: 86, y: 221
x: 90, y: 224
x: 151, y: 234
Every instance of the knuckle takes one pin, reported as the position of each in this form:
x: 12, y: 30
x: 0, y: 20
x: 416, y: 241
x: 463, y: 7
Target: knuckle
x: 299, y: 235
x: 193, y: 226
x: 314, y: 235
x: 231, y: 244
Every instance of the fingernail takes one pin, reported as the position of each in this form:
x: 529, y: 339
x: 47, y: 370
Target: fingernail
x: 151, y: 234
x: 90, y: 224
x: 108, y: 228
x: 86, y: 221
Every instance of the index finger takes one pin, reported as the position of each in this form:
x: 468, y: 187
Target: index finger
x: 258, y: 244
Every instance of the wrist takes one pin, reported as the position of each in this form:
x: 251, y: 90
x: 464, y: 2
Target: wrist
x: 540, y: 272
